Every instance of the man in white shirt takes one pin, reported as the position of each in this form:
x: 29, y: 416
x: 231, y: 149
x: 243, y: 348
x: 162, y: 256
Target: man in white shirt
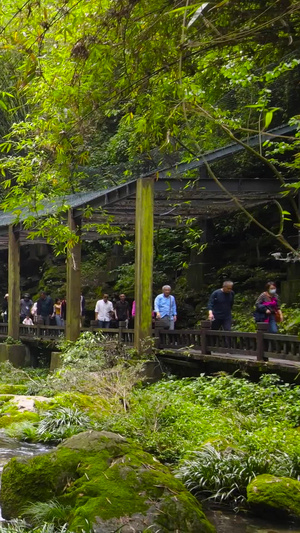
x: 104, y: 311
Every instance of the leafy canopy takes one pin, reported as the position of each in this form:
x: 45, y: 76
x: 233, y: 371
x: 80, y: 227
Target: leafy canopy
x: 119, y: 86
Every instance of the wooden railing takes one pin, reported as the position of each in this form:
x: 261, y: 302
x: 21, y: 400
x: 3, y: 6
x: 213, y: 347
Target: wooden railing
x: 260, y: 344
x: 39, y: 331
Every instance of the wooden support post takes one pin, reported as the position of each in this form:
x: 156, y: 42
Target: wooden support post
x: 73, y: 282
x: 13, y: 282
x: 143, y: 260
x: 262, y: 328
x: 205, y: 327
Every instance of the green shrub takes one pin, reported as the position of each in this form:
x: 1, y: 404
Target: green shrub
x: 92, y: 352
x: 61, y: 423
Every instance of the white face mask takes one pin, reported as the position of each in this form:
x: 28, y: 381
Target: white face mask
x: 272, y: 291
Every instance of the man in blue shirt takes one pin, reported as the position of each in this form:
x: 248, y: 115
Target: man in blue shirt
x: 165, y: 308
x: 220, y: 305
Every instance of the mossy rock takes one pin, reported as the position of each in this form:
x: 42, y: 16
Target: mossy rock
x: 109, y: 482
x: 7, y: 420
x: 281, y: 495
x: 5, y: 398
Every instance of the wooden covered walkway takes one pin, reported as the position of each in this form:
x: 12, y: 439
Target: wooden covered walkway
x: 160, y: 197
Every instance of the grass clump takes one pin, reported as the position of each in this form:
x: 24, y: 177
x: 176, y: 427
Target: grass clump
x: 20, y: 526
x: 51, y: 512
x: 61, y: 423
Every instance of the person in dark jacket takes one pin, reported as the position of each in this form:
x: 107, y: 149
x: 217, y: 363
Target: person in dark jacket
x: 220, y: 306
x: 44, y: 308
x: 122, y: 309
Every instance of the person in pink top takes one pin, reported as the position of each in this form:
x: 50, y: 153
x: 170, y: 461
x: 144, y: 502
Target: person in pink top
x: 267, y: 306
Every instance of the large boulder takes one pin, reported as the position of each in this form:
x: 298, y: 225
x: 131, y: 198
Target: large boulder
x: 275, y: 494
x: 107, y: 481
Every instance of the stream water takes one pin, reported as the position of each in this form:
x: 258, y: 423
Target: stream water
x: 224, y: 522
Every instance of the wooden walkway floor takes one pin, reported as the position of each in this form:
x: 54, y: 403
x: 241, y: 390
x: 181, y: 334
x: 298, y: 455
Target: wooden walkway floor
x: 183, y: 361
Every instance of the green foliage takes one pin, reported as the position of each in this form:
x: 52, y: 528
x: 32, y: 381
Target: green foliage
x: 62, y: 423
x: 10, y: 374
x: 24, y: 431
x: 51, y: 512
x: 20, y: 526
x: 94, y: 115
x: 291, y: 322
x: 172, y: 418
x: 10, y: 340
x: 224, y: 474
x: 92, y: 352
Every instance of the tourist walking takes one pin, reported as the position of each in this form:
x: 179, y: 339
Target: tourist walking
x: 57, y: 312
x: 220, y: 306
x: 267, y: 308
x: 25, y: 306
x: 104, y: 312
x: 122, y: 309
x: 44, y: 309
x: 165, y: 308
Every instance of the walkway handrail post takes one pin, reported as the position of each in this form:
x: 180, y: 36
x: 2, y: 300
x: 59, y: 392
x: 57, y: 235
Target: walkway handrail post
x: 157, y: 329
x: 262, y: 327
x: 121, y: 327
x: 205, y: 327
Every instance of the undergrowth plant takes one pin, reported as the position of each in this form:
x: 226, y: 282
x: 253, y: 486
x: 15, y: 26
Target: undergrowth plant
x: 61, y: 423
x: 92, y: 351
x: 51, y: 512
x: 223, y: 475
x: 20, y: 526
